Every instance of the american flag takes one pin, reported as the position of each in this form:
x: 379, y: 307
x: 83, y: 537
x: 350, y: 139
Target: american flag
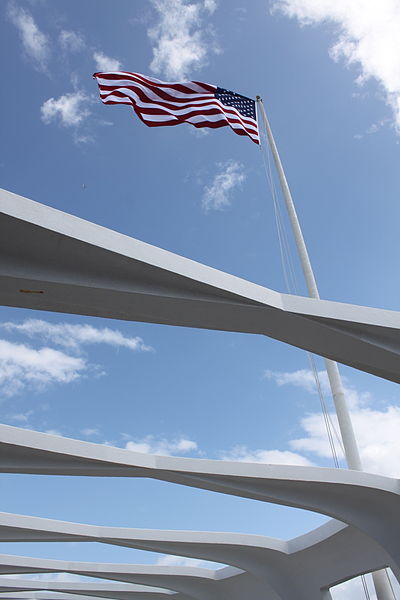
x: 159, y: 103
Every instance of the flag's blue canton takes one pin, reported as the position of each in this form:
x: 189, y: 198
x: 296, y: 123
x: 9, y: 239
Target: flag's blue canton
x: 246, y: 106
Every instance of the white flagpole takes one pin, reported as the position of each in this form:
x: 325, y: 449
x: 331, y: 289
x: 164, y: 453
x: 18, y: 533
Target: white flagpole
x: 352, y: 454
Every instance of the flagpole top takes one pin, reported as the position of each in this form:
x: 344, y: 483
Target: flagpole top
x: 258, y: 98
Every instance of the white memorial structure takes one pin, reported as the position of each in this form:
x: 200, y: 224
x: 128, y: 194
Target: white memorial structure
x: 57, y: 262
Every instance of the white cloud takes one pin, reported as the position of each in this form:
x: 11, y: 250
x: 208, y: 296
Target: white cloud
x: 180, y: 561
x: 54, y: 432
x: 90, y: 431
x: 353, y: 589
x: 316, y: 440
x: 210, y: 5
x: 171, y: 560
x: 70, y: 41
x: 161, y: 446
x: 272, y: 457
x: 73, y: 336
x: 304, y: 379
x: 105, y: 63
x: 22, y: 367
x: 367, y: 36
x: 376, y: 430
x: 59, y: 577
x: 80, y: 138
x: 70, y: 109
x: 21, y: 417
x: 35, y: 42
x: 377, y: 433
x: 199, y: 132
x: 230, y: 176
x: 181, y: 44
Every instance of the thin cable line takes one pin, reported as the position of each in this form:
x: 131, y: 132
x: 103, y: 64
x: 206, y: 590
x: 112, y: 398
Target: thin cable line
x: 289, y: 275
x: 291, y: 286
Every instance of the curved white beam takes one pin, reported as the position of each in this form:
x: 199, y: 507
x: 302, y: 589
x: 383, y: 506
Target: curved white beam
x: 53, y: 261
x: 147, y: 594
x: 44, y: 590
x: 297, y: 568
x: 114, y: 591
x: 369, y: 502
x: 201, y: 584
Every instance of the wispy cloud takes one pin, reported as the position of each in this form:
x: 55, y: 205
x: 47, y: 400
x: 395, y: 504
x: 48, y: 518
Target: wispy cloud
x: 230, y: 176
x: 304, y: 379
x: 376, y: 430
x: 182, y: 445
x: 74, y: 336
x: 351, y: 590
x: 21, y: 418
x: 181, y: 561
x: 366, y: 36
x: 354, y: 590
x: 69, y: 110
x: 90, y: 431
x: 182, y: 41
x: 377, y: 433
x: 273, y: 457
x: 35, y: 43
x: 70, y: 41
x: 22, y: 366
x: 162, y: 446
x: 58, y: 577
x: 106, y: 63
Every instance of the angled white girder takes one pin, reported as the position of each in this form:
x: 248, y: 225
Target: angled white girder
x: 297, y: 568
x: 53, y: 261
x: 368, y: 502
x: 147, y: 594
x: 75, y: 590
x: 189, y: 582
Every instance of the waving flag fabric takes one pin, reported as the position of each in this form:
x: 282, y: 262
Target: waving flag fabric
x: 159, y: 103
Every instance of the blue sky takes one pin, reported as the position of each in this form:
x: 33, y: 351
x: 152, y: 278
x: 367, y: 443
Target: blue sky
x: 331, y: 86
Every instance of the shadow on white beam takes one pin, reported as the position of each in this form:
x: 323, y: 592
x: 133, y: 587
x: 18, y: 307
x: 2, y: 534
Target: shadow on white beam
x: 189, y: 582
x: 296, y: 569
x: 369, y: 502
x: 146, y: 594
x: 23, y: 588
x: 57, y: 262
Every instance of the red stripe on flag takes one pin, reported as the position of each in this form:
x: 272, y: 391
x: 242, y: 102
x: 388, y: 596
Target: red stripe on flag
x: 192, y: 102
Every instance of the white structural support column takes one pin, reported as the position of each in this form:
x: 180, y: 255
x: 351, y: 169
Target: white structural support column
x: 381, y: 582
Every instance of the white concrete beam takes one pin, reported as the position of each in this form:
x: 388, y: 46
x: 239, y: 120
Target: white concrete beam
x: 75, y: 590
x: 53, y: 261
x: 369, y: 502
x: 298, y: 568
